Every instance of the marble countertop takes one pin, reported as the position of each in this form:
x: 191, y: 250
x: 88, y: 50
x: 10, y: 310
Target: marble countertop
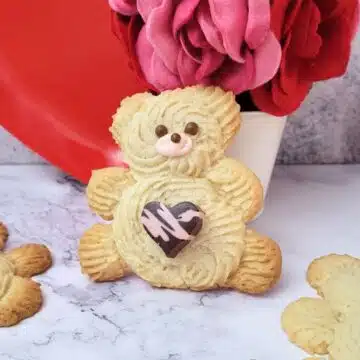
x: 310, y: 210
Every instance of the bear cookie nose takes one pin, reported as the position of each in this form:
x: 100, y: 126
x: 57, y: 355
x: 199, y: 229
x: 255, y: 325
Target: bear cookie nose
x: 175, y: 138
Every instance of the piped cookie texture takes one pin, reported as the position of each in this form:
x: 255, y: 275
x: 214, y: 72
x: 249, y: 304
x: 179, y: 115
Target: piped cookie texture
x: 179, y: 211
x: 329, y: 324
x: 172, y: 228
x: 20, y: 297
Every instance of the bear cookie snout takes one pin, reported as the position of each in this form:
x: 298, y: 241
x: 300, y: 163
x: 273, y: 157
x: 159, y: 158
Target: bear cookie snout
x: 173, y: 145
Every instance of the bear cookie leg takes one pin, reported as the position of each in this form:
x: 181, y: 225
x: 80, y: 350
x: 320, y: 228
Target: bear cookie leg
x: 99, y: 257
x: 260, y: 266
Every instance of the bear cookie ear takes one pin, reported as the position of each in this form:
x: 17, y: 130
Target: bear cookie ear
x: 227, y: 111
x: 222, y: 105
x: 125, y: 112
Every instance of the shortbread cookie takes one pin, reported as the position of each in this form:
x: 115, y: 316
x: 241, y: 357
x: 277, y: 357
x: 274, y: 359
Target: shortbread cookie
x: 179, y: 212
x: 20, y: 297
x: 3, y: 235
x: 330, y: 324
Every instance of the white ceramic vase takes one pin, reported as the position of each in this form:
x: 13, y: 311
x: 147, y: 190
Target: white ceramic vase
x: 257, y: 144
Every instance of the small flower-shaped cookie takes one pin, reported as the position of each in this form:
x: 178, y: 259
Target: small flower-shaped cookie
x: 20, y: 297
x: 330, y: 324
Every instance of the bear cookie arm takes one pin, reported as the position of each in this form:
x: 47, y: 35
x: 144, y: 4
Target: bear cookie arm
x: 105, y: 188
x: 98, y: 255
x: 20, y: 297
x: 238, y: 185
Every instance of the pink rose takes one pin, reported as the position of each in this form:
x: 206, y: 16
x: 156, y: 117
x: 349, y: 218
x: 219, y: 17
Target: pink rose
x: 212, y: 42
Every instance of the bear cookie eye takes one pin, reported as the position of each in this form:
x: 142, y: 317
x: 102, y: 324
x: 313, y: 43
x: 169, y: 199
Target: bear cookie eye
x: 191, y: 128
x: 161, y: 130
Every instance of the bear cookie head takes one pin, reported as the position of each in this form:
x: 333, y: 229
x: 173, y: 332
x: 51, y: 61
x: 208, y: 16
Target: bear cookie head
x: 182, y: 131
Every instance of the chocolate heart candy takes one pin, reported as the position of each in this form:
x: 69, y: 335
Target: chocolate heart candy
x: 172, y: 228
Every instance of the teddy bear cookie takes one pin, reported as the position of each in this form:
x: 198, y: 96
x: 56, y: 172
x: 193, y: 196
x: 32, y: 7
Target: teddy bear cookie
x: 329, y: 325
x: 20, y: 297
x: 179, y: 212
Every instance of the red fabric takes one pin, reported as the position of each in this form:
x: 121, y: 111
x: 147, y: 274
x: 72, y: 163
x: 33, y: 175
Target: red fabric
x: 316, y: 40
x: 63, y: 73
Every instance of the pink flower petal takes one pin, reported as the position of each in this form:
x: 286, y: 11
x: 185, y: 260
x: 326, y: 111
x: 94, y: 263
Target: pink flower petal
x: 195, y: 35
x: 230, y: 18
x: 187, y: 68
x: 124, y: 7
x: 159, y: 34
x: 184, y: 13
x: 192, y: 52
x: 267, y: 59
x: 145, y: 7
x: 155, y: 71
x: 211, y: 33
x: 236, y: 77
x: 258, y: 25
x: 211, y: 61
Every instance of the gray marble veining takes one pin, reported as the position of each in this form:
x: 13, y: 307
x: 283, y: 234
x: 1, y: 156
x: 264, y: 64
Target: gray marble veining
x: 325, y: 129
x: 130, y: 320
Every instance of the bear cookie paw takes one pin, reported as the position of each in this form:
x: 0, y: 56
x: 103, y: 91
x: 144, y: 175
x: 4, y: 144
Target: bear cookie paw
x: 179, y: 212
